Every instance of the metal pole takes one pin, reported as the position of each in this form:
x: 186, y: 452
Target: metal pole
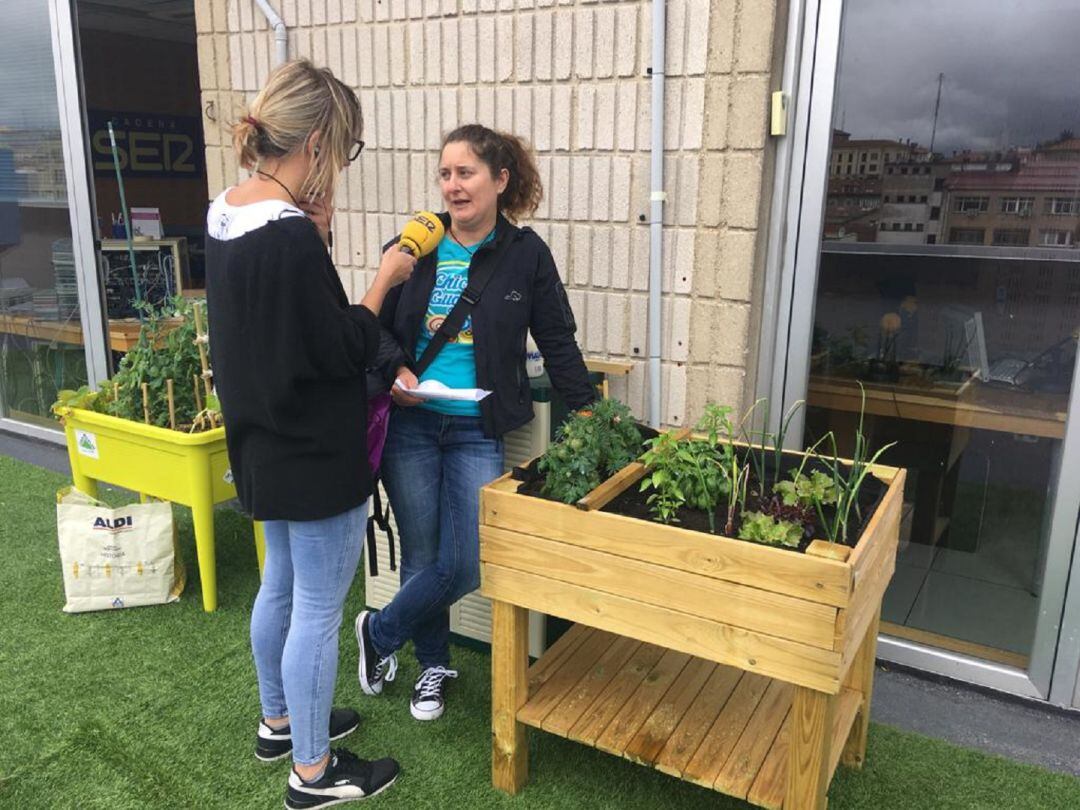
x: 281, y: 37
x: 937, y: 108
x: 127, y: 219
x: 656, y: 212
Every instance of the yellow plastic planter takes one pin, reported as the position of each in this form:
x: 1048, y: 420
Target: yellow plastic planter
x: 186, y: 468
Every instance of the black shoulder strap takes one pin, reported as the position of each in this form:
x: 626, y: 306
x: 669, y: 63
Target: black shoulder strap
x: 451, y: 325
x: 379, y: 518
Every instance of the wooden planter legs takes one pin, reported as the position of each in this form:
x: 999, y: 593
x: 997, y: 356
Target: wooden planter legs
x: 819, y: 731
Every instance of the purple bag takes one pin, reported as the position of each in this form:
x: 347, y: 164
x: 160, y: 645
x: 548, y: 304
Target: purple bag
x: 378, y: 423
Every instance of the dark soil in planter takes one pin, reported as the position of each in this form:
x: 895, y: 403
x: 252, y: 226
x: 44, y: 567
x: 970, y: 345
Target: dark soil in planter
x: 532, y: 480
x: 632, y: 503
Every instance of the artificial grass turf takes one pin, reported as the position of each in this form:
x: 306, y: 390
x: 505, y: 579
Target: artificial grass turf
x: 156, y: 707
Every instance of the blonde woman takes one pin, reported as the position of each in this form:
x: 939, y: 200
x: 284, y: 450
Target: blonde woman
x: 289, y: 356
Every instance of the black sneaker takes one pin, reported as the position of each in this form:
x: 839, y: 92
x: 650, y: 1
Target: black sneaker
x: 373, y: 670
x: 347, y: 779
x: 429, y: 694
x: 273, y: 744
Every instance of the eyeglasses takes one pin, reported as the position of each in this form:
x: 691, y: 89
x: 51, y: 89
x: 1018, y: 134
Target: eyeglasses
x: 357, y: 148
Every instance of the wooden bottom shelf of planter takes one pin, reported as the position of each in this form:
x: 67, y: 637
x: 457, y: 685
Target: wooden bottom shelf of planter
x: 707, y: 723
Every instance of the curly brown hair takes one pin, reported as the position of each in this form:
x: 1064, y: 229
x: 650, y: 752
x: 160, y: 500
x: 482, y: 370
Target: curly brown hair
x: 501, y: 150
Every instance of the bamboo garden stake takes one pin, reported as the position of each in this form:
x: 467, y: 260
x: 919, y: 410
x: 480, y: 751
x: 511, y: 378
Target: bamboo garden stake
x: 200, y: 341
x: 172, y: 404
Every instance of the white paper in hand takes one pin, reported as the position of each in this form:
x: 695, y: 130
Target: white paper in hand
x: 433, y: 389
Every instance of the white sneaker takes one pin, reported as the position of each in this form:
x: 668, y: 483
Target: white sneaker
x: 428, y: 700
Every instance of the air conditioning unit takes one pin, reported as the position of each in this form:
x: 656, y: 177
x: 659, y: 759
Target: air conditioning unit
x: 471, y: 616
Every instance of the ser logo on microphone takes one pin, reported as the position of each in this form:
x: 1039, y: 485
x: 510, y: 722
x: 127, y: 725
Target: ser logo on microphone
x: 421, y: 234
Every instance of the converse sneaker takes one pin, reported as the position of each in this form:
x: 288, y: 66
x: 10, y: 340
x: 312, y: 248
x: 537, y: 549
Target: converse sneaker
x: 428, y: 699
x: 273, y: 744
x: 347, y: 779
x: 373, y: 670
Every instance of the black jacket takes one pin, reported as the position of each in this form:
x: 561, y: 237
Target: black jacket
x: 524, y: 293
x: 290, y: 356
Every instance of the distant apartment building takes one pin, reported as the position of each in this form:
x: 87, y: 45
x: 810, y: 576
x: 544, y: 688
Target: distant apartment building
x: 882, y: 191
x: 36, y: 166
x: 1034, y: 203
x: 911, y: 197
x: 868, y: 158
x: 852, y: 208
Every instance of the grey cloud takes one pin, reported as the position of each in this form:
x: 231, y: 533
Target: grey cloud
x: 1012, y: 71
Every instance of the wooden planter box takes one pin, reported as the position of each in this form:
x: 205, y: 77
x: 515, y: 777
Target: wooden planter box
x: 744, y: 668
x: 186, y: 468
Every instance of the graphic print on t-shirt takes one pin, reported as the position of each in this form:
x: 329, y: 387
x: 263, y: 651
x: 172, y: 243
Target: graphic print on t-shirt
x: 455, y: 365
x: 451, y: 278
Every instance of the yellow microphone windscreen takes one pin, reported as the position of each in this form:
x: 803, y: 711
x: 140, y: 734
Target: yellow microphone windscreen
x: 421, y: 234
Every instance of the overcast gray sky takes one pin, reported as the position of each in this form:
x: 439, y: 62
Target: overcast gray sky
x: 27, y: 87
x: 1012, y: 71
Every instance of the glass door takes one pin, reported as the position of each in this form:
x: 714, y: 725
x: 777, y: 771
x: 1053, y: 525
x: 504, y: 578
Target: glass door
x: 936, y: 288
x: 48, y: 294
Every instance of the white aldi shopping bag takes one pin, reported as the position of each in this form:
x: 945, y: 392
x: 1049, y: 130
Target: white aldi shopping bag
x: 115, y: 558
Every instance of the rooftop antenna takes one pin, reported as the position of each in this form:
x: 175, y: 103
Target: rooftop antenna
x: 937, y: 109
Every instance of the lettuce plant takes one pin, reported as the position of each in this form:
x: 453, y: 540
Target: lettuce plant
x: 758, y: 527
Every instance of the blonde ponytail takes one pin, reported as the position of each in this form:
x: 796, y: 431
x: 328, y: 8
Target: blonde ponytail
x: 298, y: 100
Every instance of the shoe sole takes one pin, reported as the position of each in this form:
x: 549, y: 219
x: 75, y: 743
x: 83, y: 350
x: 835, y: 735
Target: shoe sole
x: 361, y: 669
x: 339, y: 736
x: 421, y: 714
x: 341, y: 801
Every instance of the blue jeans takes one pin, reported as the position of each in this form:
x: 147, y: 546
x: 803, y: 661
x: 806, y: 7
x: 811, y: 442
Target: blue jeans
x: 433, y: 469
x: 308, y: 569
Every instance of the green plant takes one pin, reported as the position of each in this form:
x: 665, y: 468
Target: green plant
x: 590, y: 445
x: 662, y: 476
x: 846, y: 349
x: 737, y: 495
x: 684, y: 472
x: 84, y: 397
x: 814, y: 490
x: 717, y: 423
x: 767, y: 442
x: 167, y: 350
x: 847, y: 485
x: 690, y: 472
x: 616, y: 433
x: 163, y: 352
x: 761, y: 528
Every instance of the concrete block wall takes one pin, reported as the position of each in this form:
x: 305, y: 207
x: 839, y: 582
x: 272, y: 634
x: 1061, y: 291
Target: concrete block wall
x: 572, y: 77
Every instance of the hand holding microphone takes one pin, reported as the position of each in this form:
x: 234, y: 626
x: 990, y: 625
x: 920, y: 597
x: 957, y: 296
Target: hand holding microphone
x: 421, y: 234
x: 419, y: 237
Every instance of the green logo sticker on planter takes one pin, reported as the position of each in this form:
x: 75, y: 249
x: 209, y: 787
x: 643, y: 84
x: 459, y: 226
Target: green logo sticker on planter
x: 86, y: 443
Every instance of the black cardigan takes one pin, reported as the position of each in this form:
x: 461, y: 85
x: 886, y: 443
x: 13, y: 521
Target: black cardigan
x: 524, y: 293
x: 290, y: 357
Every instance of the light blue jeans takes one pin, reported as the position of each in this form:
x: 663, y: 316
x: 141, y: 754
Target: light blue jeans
x: 308, y: 569
x: 433, y: 468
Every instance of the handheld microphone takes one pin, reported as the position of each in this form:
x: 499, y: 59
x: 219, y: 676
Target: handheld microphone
x: 421, y: 234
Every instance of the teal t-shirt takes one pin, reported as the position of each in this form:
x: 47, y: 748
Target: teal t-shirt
x: 455, y: 365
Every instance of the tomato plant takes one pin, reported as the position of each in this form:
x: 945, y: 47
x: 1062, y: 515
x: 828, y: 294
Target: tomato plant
x: 590, y: 446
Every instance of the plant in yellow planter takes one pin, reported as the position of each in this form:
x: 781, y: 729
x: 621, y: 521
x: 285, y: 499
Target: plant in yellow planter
x: 155, y: 428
